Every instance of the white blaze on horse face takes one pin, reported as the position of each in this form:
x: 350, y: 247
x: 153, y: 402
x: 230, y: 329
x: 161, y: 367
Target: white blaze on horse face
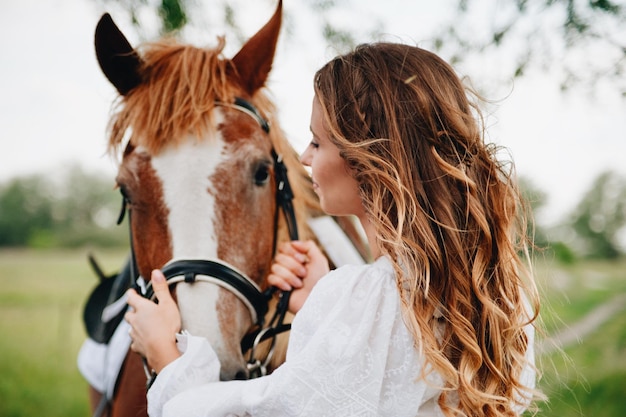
x: 185, y: 173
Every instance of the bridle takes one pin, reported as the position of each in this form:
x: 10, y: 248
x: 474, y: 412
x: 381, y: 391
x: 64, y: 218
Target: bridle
x: 220, y: 273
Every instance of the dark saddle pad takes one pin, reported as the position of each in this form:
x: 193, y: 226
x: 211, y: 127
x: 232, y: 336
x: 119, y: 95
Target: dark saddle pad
x: 106, y: 295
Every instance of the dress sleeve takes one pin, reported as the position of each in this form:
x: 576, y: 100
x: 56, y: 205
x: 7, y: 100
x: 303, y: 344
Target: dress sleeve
x: 349, y: 354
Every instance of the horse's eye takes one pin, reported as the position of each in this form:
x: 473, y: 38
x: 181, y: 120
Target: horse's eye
x: 124, y: 192
x: 262, y: 174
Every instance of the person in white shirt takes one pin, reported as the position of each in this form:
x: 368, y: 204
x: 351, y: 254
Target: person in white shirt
x: 441, y: 323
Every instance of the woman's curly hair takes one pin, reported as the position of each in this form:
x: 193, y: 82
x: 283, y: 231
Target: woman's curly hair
x: 447, y: 213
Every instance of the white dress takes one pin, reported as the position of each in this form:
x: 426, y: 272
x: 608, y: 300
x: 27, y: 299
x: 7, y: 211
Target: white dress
x: 349, y: 354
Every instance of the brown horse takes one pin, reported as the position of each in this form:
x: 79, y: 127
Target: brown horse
x: 199, y: 175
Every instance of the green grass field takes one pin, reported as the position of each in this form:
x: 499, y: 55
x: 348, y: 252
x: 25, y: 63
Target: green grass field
x: 42, y: 294
x: 589, y: 379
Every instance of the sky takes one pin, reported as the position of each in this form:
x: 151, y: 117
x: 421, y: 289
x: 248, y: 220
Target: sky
x: 56, y: 102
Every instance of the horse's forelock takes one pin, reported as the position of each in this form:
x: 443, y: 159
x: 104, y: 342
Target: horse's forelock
x: 180, y: 85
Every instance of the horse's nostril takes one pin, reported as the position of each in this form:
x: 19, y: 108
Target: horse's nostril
x: 241, y: 375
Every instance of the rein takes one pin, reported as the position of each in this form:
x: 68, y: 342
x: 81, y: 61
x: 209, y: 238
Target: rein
x: 226, y: 276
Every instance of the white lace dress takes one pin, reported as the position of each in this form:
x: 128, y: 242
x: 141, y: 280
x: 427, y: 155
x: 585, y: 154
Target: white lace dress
x: 349, y: 354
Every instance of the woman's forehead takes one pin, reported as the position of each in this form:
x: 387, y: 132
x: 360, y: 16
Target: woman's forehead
x: 318, y: 124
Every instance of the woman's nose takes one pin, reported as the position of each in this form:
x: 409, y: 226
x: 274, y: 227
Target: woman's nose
x: 305, y: 157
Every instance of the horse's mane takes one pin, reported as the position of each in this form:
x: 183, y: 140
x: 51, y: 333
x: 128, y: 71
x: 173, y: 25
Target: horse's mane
x: 180, y: 86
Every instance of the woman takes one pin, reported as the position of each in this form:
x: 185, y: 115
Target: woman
x: 441, y: 324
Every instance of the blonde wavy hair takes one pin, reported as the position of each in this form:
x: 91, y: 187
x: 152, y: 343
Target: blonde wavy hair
x: 447, y: 213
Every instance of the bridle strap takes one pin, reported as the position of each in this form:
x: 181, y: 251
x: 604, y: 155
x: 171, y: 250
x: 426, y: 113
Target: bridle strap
x: 284, y: 195
x: 219, y: 273
x: 247, y: 108
x: 134, y: 274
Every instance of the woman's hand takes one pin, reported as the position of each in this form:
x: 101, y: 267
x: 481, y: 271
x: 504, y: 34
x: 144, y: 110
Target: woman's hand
x: 298, y: 266
x: 154, y: 326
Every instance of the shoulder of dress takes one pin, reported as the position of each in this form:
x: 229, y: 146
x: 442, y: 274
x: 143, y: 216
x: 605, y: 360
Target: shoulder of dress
x: 374, y: 276
x: 380, y: 265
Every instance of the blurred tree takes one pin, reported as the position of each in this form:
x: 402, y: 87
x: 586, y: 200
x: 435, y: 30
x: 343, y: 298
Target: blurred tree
x: 584, y: 41
x: 74, y: 210
x: 172, y: 14
x: 25, y: 208
x: 543, y: 239
x: 86, y: 209
x: 536, y: 198
x: 599, y: 220
x: 83, y: 198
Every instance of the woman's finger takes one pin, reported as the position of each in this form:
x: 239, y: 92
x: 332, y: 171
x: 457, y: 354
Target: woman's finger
x: 308, y: 248
x: 286, y: 248
x: 291, y: 263
x: 135, y: 301
x: 278, y: 282
x: 283, y: 278
x: 160, y: 287
x: 132, y: 297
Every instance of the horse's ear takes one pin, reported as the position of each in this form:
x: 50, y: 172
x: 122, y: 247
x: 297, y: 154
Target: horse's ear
x: 254, y: 61
x: 118, y: 60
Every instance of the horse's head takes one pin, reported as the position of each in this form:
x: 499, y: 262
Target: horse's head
x: 198, y: 168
